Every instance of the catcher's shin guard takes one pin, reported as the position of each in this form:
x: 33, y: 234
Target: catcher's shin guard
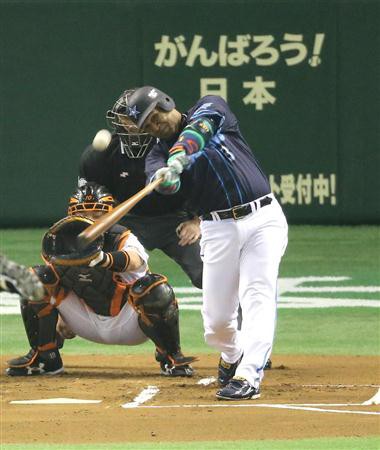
x: 40, y: 323
x: 154, y: 300
x: 30, y: 320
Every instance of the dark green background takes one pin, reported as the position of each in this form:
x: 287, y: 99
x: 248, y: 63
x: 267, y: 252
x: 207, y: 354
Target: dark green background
x: 63, y: 63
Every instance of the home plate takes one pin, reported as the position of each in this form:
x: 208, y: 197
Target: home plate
x: 53, y: 401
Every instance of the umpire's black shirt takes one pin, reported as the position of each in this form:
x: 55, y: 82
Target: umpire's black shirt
x: 125, y: 176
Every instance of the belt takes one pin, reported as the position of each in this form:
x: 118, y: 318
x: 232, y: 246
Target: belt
x: 240, y: 211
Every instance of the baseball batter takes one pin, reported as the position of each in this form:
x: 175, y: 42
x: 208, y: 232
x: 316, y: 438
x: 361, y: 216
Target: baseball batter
x: 109, y: 297
x: 203, y: 155
x: 159, y: 222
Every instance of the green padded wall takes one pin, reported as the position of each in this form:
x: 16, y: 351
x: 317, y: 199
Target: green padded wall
x: 301, y: 76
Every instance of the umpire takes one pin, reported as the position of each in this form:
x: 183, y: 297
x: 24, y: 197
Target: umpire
x: 159, y: 222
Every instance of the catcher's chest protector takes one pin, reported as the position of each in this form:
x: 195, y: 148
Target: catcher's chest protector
x: 96, y: 286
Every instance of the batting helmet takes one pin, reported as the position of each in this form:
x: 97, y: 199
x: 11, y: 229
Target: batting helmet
x: 90, y: 197
x: 143, y: 101
x: 135, y: 144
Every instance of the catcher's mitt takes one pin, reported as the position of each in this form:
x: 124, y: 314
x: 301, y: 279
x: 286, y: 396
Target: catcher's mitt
x: 59, y: 245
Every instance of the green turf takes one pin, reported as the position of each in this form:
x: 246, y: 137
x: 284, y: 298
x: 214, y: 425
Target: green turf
x: 330, y: 250
x: 367, y: 443
x: 329, y: 331
x: 312, y: 250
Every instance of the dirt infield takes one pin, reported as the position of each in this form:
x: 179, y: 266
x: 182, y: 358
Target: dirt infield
x: 190, y: 411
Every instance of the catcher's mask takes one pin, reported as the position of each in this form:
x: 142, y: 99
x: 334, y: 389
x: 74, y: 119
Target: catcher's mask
x: 135, y: 143
x: 90, y: 197
x: 59, y: 244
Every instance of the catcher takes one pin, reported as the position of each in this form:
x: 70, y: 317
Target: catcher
x: 104, y: 294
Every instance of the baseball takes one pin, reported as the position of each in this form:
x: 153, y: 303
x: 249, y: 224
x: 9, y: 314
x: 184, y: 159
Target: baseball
x: 101, y: 140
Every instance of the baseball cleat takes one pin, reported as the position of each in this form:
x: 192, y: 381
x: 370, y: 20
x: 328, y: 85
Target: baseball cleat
x: 48, y: 364
x: 168, y: 370
x: 268, y: 365
x: 24, y: 360
x: 238, y: 389
x: 176, y: 364
x: 226, y: 371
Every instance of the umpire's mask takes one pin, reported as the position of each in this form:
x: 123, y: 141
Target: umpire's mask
x: 134, y: 143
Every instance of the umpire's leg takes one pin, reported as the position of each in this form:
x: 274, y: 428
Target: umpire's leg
x: 160, y: 232
x: 188, y: 257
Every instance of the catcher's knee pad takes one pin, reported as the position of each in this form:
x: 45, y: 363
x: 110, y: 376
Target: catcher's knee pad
x: 154, y: 300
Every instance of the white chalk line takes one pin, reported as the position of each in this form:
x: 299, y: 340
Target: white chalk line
x: 144, y: 396
x: 209, y: 380
x: 149, y: 392
x: 267, y: 405
x: 54, y: 401
x: 338, y: 385
x: 313, y: 407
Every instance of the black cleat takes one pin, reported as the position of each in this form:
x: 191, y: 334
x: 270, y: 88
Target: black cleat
x: 169, y: 370
x: 268, y: 365
x: 176, y: 365
x: 238, y: 389
x: 23, y: 361
x: 226, y: 371
x: 44, y: 363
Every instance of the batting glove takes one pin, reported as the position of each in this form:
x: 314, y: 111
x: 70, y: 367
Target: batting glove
x: 178, y: 162
x: 170, y: 183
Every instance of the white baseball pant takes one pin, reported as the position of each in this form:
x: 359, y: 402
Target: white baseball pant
x: 241, y: 260
x: 120, y: 329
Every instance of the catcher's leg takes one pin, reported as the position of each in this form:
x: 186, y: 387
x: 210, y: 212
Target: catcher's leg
x: 154, y: 300
x: 30, y: 321
x: 45, y: 357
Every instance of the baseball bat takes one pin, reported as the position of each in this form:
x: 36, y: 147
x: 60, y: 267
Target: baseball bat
x: 107, y: 220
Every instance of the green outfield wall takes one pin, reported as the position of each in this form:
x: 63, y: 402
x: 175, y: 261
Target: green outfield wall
x: 303, y: 78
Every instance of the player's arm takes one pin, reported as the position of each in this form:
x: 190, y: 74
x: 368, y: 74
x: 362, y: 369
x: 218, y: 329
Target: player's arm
x: 204, y: 122
x: 128, y: 257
